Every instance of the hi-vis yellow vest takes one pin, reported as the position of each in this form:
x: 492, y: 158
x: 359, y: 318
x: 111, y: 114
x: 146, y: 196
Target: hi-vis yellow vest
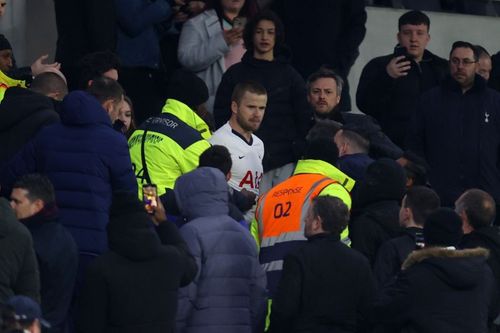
x: 7, y: 82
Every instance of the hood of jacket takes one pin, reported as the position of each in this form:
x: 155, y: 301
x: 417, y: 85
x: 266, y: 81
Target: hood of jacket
x: 325, y: 169
x: 187, y: 115
x: 19, y: 104
x: 202, y: 192
x: 460, y: 269
x: 385, y: 214
x: 80, y: 108
x: 130, y: 231
x: 283, y: 56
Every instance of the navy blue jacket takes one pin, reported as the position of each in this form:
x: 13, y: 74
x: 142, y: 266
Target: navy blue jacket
x: 354, y: 165
x: 228, y: 293
x: 459, y: 136
x: 57, y: 257
x: 138, y: 43
x: 86, y: 160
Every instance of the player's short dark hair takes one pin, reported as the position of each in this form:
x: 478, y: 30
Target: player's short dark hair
x: 38, y: 186
x: 217, y: 157
x: 247, y: 86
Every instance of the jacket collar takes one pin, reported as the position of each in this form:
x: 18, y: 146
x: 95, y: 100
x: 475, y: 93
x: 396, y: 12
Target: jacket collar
x: 325, y: 169
x: 441, y: 252
x: 188, y: 116
x: 479, y: 84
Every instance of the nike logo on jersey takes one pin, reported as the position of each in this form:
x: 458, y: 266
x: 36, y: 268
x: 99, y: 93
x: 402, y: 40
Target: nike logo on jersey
x: 240, y: 157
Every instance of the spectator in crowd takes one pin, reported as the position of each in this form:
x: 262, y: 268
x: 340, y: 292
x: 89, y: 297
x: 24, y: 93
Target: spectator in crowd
x: 169, y: 144
x: 3, y: 6
x: 390, y: 86
x: 484, y: 66
x: 324, y: 90
x: 134, y: 286
x: 23, y: 112
x: 477, y: 210
x: 138, y: 46
x: 33, y: 201
x: 353, y: 152
x: 334, y: 30
x: 85, y: 159
x: 229, y: 292
x: 248, y: 104
x: 83, y: 27
x: 126, y: 117
x: 11, y: 75
x: 284, y: 128
x: 325, y: 286
x: 461, y: 278
x: 376, y: 207
x: 27, y: 315
x: 92, y: 65
x: 19, y: 270
x: 280, y: 215
x: 418, y: 203
x: 462, y: 116
x: 212, y: 42
x: 416, y: 169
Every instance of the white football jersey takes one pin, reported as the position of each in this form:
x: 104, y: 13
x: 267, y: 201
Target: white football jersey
x: 247, y: 170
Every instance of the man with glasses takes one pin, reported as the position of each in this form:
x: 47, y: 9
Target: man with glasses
x: 457, y: 130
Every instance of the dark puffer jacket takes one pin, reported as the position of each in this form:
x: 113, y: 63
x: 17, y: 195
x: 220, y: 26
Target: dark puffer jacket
x: 22, y: 114
x: 86, y: 160
x: 440, y: 290
x: 288, y: 115
x: 133, y: 288
x: 228, y: 294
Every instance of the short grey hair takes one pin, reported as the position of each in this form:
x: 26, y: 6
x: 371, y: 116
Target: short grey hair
x: 325, y: 73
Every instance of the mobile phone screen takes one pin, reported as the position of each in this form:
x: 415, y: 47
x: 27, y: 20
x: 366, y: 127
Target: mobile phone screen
x: 149, y: 197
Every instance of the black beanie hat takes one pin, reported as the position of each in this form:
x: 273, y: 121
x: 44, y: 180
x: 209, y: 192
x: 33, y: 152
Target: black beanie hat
x: 443, y: 228
x: 187, y: 88
x: 4, y: 43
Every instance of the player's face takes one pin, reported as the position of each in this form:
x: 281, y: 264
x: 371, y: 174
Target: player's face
x: 250, y: 112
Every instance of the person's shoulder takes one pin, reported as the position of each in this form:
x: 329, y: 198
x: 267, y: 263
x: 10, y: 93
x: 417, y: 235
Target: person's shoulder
x: 203, y: 17
x: 379, y: 61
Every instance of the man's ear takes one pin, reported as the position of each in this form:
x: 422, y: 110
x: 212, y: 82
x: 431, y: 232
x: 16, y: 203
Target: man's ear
x: 38, y: 205
x: 234, y: 107
x: 108, y: 105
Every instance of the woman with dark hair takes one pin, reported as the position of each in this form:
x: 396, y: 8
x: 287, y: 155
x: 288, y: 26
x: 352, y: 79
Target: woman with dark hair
x: 288, y: 115
x: 212, y: 42
x: 126, y: 115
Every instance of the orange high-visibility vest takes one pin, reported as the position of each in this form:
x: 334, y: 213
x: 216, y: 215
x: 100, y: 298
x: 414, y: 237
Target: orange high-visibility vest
x: 281, y: 211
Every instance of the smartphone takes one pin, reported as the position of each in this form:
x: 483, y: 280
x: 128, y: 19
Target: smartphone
x: 239, y: 22
x: 149, y: 197
x: 401, y: 51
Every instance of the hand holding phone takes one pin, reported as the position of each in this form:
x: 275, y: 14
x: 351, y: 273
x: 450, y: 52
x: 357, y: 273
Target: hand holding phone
x: 239, y: 22
x: 149, y: 197
x: 400, y: 64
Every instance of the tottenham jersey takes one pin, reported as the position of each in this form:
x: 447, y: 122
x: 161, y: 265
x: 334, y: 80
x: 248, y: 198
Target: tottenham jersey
x: 247, y: 170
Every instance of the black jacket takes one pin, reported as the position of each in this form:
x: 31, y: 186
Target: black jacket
x: 459, y: 136
x: 22, y: 113
x: 325, y: 287
x: 439, y: 290
x: 57, y: 257
x: 18, y: 268
x: 393, y: 253
x: 133, y: 288
x: 323, y: 32
x: 288, y: 114
x: 393, y: 101
x: 373, y: 225
x: 488, y: 238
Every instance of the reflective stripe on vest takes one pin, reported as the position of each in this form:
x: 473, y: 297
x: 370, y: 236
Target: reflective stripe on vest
x: 282, y: 210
